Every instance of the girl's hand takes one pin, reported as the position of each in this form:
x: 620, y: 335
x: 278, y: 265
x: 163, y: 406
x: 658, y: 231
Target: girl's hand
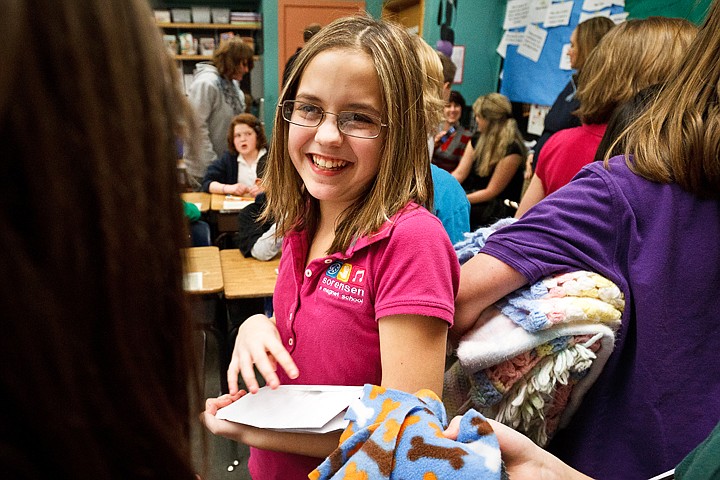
x: 258, y: 345
x: 523, y: 458
x: 254, y: 191
x: 212, y: 405
x: 237, y: 189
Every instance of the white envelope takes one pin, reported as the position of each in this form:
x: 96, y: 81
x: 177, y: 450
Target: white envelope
x: 295, y: 408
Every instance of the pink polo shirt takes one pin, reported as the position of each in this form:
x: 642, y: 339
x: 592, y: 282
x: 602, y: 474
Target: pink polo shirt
x: 327, y: 311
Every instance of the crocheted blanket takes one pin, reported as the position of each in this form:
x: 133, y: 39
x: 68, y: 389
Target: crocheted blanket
x: 529, y: 361
x: 396, y: 435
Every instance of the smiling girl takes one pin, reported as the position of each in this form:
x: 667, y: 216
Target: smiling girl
x: 235, y: 173
x: 368, y: 276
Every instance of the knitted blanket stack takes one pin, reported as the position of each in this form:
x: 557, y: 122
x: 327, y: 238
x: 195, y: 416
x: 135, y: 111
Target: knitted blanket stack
x: 528, y: 361
x: 396, y: 435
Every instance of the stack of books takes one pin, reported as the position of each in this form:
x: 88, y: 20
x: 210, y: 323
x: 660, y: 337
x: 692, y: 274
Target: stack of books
x: 246, y: 19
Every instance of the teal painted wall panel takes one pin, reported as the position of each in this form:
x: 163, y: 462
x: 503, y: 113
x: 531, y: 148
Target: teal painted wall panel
x: 693, y: 10
x: 478, y: 27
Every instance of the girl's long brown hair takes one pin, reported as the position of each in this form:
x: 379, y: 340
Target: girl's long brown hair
x: 404, y: 172
x: 96, y: 352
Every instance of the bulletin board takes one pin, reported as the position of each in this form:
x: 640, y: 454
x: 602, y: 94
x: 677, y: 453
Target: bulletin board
x: 534, y: 51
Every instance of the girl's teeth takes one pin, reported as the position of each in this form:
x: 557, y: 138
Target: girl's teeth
x: 323, y: 163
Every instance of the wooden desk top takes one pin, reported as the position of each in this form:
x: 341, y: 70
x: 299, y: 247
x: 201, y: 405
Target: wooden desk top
x: 234, y: 204
x: 247, y: 277
x: 206, y: 261
x: 201, y: 199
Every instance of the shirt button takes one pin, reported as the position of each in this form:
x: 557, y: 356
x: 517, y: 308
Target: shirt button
x: 308, y: 273
x: 291, y: 315
x: 290, y: 342
x: 328, y: 260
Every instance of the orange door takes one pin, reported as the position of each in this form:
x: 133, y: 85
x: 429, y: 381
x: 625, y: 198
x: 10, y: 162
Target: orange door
x: 294, y: 15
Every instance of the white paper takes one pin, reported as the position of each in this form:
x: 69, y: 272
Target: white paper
x: 533, y: 42
x: 193, y: 281
x: 538, y: 11
x: 516, y: 14
x: 558, y: 14
x: 565, y: 58
x: 458, y: 58
x: 198, y: 205
x: 595, y: 5
x: 587, y: 16
x: 619, y: 17
x: 300, y: 408
x: 235, y: 204
x: 509, y: 38
x: 536, y: 119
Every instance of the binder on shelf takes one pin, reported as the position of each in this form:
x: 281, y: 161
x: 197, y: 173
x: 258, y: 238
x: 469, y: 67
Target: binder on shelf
x: 201, y: 14
x: 181, y: 15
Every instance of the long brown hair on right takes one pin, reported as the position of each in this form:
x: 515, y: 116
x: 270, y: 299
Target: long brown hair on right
x: 96, y: 359
x: 630, y: 57
x: 677, y: 138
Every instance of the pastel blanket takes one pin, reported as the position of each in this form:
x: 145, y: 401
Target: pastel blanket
x: 529, y: 361
x: 397, y: 435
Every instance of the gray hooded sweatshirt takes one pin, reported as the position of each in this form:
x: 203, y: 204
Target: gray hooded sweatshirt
x: 215, y: 101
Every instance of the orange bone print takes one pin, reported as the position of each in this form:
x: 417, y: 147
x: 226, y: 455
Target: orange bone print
x: 420, y: 449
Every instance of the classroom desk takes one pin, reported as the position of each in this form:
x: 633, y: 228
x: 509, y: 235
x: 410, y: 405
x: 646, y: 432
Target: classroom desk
x: 200, y: 199
x: 206, y: 261
x: 229, y: 203
x: 227, y: 208
x: 247, y: 277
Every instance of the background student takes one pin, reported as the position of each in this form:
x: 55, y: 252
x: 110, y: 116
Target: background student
x: 362, y: 258
x: 96, y: 360
x: 450, y: 141
x: 650, y: 223
x: 216, y: 98
x: 236, y: 172
x: 490, y: 169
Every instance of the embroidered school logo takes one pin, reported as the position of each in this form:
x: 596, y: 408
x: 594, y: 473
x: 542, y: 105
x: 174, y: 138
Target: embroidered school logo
x: 346, y: 272
x: 344, y: 281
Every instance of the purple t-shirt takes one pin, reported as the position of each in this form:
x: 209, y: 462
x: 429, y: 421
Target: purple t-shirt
x: 659, y: 394
x: 327, y: 311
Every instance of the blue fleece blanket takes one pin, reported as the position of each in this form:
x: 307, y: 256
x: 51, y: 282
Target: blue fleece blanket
x: 397, y: 435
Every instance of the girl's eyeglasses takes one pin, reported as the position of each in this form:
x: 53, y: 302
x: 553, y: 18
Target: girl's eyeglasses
x: 353, y: 124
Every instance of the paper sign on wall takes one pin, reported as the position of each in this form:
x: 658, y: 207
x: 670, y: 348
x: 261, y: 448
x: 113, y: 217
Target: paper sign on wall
x: 509, y: 38
x: 516, y: 14
x: 558, y: 14
x: 536, y: 119
x: 565, y: 58
x: 594, y: 5
x: 588, y: 15
x: 533, y: 42
x: 538, y: 11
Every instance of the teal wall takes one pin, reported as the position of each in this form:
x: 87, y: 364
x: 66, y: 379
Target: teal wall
x: 693, y: 10
x: 477, y: 26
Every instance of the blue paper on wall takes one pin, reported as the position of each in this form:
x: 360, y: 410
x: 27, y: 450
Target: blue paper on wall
x: 526, y: 81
